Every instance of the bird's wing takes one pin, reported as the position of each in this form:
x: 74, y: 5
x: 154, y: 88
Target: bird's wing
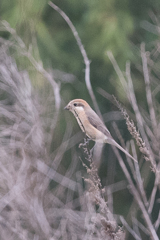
x: 96, y: 122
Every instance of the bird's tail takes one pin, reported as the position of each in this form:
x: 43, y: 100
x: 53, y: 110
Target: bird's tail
x: 113, y: 142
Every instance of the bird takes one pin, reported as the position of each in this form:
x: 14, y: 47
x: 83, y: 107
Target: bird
x: 91, y: 124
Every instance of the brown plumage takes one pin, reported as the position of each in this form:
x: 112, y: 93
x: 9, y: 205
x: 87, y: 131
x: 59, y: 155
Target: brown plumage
x: 91, y: 124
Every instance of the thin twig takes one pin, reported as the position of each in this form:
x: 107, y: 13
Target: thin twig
x: 138, y: 178
x: 135, y: 193
x: 157, y: 222
x: 148, y: 89
x: 129, y: 228
x: 153, y: 194
x: 118, y: 71
x: 83, y: 52
x: 139, y: 118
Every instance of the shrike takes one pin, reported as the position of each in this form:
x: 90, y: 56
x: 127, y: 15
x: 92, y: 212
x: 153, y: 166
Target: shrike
x: 91, y: 124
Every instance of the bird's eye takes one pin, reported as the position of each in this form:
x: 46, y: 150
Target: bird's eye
x: 75, y: 104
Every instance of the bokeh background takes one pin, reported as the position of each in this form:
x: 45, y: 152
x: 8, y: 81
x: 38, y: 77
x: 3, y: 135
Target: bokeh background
x: 50, y: 48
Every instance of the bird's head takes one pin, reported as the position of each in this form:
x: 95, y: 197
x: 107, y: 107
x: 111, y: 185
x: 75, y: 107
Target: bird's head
x: 77, y: 105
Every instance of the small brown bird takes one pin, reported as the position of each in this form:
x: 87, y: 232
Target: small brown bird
x: 91, y: 124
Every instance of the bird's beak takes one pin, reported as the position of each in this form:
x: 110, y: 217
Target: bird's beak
x: 66, y: 107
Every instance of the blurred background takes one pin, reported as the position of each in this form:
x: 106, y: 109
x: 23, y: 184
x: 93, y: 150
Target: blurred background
x: 42, y: 69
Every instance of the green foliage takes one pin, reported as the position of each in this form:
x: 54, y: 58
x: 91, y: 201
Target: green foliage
x: 102, y: 25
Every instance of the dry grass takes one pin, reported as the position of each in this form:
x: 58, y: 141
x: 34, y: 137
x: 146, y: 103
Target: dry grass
x: 31, y: 208
x: 39, y: 197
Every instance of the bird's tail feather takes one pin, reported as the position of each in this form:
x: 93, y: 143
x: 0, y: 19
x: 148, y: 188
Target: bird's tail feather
x: 113, y: 142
